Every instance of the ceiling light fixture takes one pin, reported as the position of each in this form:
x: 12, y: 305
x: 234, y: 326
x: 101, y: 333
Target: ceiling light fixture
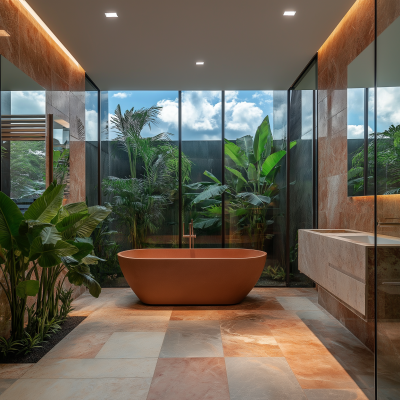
x: 111, y: 15
x: 4, y: 33
x: 290, y: 13
x: 199, y: 62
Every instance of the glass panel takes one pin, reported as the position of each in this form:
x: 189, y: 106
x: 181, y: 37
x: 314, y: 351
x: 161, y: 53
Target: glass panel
x: 92, y: 142
x: 202, y: 167
x: 140, y: 171
x: 253, y: 198
x: 388, y: 200
x: 23, y: 151
x: 301, y: 176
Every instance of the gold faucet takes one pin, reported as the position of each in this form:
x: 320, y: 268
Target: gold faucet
x: 191, y: 235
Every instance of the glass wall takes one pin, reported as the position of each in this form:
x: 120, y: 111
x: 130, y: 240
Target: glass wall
x: 303, y: 184
x: 388, y: 200
x: 202, y: 166
x: 92, y: 142
x: 23, y: 149
x: 140, y: 174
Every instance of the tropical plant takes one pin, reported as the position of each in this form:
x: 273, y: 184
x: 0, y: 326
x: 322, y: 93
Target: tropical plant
x: 276, y: 273
x: 250, y: 186
x: 387, y: 163
x: 50, y: 243
x: 138, y: 201
x: 107, y: 249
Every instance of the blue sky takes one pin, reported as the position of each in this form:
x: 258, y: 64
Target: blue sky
x: 201, y: 112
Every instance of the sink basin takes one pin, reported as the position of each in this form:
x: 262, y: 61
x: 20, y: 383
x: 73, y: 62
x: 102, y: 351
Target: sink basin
x: 369, y: 239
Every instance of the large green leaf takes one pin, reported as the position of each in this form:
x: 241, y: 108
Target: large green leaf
x: 10, y: 220
x: 74, y: 208
x: 255, y: 199
x: 206, y: 223
x: 50, y: 235
x: 236, y: 173
x: 80, y: 275
x: 252, y: 173
x: 86, y: 226
x: 49, y: 255
x: 236, y: 154
x: 261, y: 138
x: 246, y: 144
x: 70, y: 221
x: 27, y: 288
x: 91, y: 259
x: 212, y: 191
x: 272, y: 161
x: 46, y: 207
x: 84, y: 249
x: 211, y: 176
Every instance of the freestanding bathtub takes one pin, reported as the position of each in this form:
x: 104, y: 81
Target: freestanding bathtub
x: 192, y: 276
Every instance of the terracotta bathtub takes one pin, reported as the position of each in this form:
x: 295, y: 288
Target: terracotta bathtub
x: 192, y: 276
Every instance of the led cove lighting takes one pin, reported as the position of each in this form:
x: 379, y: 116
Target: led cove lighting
x: 111, y: 15
x: 200, y: 63
x: 291, y: 13
x: 46, y: 28
x: 3, y: 33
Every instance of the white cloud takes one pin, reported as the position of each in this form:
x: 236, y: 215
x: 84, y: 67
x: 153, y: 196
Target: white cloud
x: 33, y: 102
x: 121, y: 95
x: 91, y: 124
x: 169, y: 112
x: 388, y: 109
x: 356, y: 131
x: 243, y: 116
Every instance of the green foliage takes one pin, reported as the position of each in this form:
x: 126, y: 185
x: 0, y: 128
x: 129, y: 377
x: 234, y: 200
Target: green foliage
x: 28, y: 168
x: 108, y: 250
x: 250, y: 186
x: 387, y: 163
x: 138, y: 202
x: 50, y: 237
x: 276, y: 273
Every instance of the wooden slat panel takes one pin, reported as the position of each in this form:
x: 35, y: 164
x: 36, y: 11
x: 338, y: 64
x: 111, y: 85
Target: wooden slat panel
x: 5, y: 126
x: 23, y: 130
x: 24, y: 116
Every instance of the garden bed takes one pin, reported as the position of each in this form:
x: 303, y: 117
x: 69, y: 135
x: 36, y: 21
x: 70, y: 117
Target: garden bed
x: 36, y: 354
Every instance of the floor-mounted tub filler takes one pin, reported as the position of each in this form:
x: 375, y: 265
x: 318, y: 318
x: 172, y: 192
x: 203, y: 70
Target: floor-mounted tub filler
x: 192, y: 276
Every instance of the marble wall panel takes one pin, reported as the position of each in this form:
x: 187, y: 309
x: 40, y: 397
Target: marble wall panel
x: 35, y: 53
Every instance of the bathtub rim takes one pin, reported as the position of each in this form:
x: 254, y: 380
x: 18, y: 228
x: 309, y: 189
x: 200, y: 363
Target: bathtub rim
x: 259, y: 255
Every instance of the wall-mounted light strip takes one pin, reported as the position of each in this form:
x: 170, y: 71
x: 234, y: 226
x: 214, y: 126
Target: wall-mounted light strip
x: 47, y: 29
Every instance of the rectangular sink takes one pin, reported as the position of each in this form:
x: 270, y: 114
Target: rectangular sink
x: 369, y: 239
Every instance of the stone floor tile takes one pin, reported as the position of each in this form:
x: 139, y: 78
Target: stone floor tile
x: 320, y: 372
x: 248, y: 338
x: 121, y: 323
x: 189, y: 378
x: 5, y: 384
x: 132, y: 345
x: 339, y: 394
x: 297, y: 303
x: 83, y: 344
x: 79, y: 389
x: 14, y: 371
x: 92, y: 368
x: 192, y: 339
x: 262, y: 379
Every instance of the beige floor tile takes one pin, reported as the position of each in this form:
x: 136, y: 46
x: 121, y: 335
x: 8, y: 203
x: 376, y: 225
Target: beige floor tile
x: 14, y: 371
x: 132, y: 345
x: 81, y: 344
x: 259, y: 378
x: 297, y: 303
x: 92, y: 368
x: 339, y: 394
x: 5, y: 384
x: 79, y: 389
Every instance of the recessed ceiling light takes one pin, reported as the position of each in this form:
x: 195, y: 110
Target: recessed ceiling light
x: 111, y: 15
x: 199, y: 62
x: 291, y: 13
x: 4, y: 33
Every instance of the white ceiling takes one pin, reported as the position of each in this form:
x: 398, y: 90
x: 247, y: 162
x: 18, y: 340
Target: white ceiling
x: 154, y: 44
